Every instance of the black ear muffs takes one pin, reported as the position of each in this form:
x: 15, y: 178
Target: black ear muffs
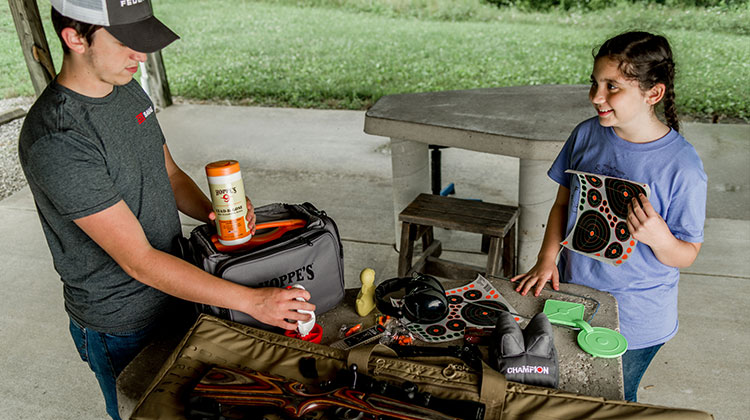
x: 424, y: 299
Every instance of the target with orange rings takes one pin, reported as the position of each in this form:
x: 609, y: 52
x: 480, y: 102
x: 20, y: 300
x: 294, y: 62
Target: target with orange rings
x: 475, y: 305
x: 600, y: 230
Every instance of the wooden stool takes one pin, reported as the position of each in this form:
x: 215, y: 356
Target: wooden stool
x: 494, y: 221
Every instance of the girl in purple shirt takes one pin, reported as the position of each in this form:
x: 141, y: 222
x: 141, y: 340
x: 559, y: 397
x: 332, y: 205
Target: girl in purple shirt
x: 633, y: 73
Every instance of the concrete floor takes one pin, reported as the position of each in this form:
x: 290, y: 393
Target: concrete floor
x: 325, y: 158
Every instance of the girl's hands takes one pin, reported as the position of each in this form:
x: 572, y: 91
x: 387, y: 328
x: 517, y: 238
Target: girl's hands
x: 646, y: 225
x: 538, y: 276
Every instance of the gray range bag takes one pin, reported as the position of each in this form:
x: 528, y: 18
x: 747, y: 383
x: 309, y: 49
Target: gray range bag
x: 309, y: 254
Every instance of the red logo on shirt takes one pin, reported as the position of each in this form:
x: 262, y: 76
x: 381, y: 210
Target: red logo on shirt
x: 143, y: 115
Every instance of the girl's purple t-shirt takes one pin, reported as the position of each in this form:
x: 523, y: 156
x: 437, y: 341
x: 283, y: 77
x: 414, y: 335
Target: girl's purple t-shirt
x: 645, y: 289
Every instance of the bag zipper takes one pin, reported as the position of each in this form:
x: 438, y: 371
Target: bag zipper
x: 305, y: 240
x: 321, y: 214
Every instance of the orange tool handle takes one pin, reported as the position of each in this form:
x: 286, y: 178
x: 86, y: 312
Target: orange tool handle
x: 274, y: 229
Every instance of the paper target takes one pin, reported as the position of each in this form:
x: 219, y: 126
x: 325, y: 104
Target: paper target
x: 600, y: 231
x: 476, y: 304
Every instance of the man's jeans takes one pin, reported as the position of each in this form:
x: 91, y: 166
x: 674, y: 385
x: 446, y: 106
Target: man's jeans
x: 107, y: 355
x: 634, y: 365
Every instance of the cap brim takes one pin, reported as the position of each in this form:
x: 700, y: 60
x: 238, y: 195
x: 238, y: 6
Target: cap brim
x: 146, y: 36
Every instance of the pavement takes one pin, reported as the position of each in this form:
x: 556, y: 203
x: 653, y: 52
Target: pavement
x: 297, y: 155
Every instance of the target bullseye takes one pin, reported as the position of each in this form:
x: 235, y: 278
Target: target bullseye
x: 473, y: 295
x: 621, y: 232
x: 594, y: 198
x: 591, y: 233
x: 620, y: 193
x: 595, y: 181
x: 455, y: 299
x: 456, y: 325
x: 614, y: 250
x: 483, y: 313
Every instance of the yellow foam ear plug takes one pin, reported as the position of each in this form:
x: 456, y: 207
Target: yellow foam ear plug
x: 366, y: 297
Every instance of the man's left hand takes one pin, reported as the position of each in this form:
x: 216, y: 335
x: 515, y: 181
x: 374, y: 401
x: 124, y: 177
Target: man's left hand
x: 250, y: 217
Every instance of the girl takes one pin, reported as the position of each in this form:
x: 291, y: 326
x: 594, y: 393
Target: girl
x: 633, y: 72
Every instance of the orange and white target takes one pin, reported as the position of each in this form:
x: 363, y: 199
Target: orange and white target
x: 600, y: 231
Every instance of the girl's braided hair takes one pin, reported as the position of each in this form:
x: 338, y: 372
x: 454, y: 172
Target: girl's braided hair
x: 646, y: 58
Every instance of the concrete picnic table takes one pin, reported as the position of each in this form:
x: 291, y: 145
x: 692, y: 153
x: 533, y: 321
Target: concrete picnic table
x: 527, y: 122
x: 579, y: 372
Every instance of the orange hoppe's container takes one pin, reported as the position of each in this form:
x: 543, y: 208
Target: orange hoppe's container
x: 229, y: 203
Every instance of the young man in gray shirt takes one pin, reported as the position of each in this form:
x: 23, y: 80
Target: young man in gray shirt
x: 108, y: 193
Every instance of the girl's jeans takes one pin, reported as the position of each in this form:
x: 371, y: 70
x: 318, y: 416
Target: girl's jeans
x: 634, y: 364
x: 107, y: 355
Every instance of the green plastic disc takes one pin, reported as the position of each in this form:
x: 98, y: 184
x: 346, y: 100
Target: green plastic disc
x: 602, y: 342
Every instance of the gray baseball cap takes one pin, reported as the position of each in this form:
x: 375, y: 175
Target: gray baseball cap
x: 132, y: 22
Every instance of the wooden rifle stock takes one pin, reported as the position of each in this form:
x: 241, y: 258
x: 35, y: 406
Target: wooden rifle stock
x: 224, y: 394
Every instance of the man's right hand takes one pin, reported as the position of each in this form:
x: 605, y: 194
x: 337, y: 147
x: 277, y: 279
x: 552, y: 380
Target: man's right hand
x: 276, y: 306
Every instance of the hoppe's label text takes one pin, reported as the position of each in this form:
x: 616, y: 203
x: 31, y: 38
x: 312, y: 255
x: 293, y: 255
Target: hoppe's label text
x: 295, y: 276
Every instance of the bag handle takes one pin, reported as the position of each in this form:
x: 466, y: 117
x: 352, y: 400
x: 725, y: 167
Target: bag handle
x: 492, y: 387
x: 360, y: 356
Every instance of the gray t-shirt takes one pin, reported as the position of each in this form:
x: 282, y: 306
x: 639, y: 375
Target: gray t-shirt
x: 82, y: 155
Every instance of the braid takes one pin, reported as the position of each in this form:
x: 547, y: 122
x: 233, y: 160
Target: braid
x: 670, y: 110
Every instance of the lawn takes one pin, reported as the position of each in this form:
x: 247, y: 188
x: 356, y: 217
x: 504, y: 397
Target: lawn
x: 346, y: 54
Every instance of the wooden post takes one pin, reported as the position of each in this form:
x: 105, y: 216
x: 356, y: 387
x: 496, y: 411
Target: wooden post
x: 156, y: 78
x: 33, y: 42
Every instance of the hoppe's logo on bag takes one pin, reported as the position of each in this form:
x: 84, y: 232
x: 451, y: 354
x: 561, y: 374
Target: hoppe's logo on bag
x: 300, y: 274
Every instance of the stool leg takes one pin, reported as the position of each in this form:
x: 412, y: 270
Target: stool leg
x: 509, y: 253
x: 408, y: 233
x: 485, y: 243
x: 494, y: 256
x: 428, y: 238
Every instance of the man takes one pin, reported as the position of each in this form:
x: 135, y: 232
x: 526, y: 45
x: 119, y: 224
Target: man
x: 108, y: 193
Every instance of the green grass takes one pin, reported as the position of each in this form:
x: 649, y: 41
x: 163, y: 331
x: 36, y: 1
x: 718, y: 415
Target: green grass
x: 347, y: 54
